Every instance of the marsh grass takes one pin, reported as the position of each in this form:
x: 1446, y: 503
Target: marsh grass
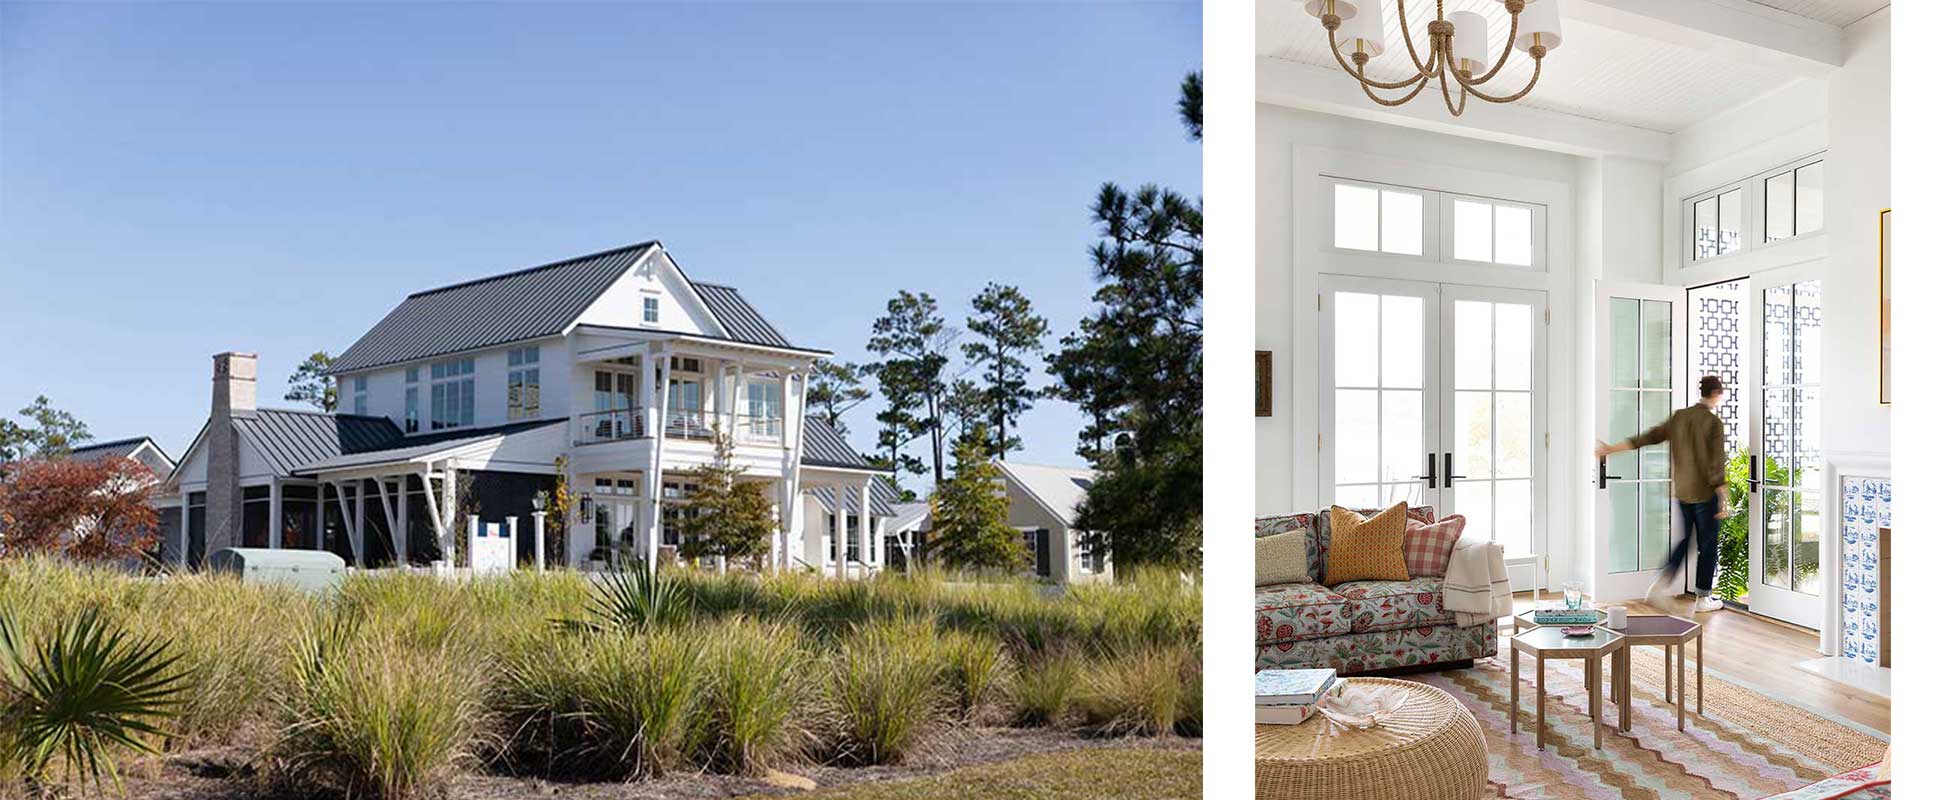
x: 1144, y: 692
x: 1044, y: 689
x: 885, y: 692
x: 751, y: 717
x: 975, y: 666
x: 371, y: 715
x: 609, y: 703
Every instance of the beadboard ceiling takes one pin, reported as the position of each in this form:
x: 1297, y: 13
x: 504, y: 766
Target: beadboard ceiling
x: 1599, y: 73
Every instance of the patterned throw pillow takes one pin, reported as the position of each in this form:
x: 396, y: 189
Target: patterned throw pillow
x: 1268, y: 526
x: 1282, y: 558
x: 1426, y: 546
x: 1367, y: 549
x: 1324, y: 524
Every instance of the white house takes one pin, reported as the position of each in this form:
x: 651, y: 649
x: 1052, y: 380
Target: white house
x: 614, y: 367
x: 1042, y: 505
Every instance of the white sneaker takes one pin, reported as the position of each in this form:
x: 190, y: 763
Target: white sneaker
x: 1708, y: 603
x: 1661, y: 590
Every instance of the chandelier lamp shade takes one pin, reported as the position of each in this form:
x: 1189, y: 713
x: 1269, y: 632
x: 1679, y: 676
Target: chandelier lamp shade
x: 1458, y: 47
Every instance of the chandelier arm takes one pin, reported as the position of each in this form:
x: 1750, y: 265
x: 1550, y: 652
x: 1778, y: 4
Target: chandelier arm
x: 1429, y: 68
x: 1536, y: 73
x: 1360, y: 72
x: 1420, y: 84
x: 1486, y: 76
x: 1455, y: 109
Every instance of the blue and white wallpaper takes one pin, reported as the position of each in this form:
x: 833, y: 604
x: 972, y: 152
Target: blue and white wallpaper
x: 1865, y: 510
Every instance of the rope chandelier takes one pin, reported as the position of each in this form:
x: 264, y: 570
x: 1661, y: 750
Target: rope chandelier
x: 1458, y: 47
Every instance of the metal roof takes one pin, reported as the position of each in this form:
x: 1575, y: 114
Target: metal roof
x: 414, y: 447
x: 740, y: 320
x: 909, y: 515
x: 527, y: 304
x: 881, y: 494
x: 289, y: 439
x: 825, y: 448
x: 154, y: 458
x: 1059, y: 489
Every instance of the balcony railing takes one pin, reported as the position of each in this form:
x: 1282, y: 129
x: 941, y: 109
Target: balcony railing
x: 688, y: 424
x: 611, y: 426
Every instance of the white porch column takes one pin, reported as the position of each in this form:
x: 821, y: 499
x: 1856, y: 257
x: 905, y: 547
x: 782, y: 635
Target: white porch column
x: 866, y: 529
x: 183, y: 552
x: 402, y: 519
x: 541, y: 541
x: 275, y: 539
x: 839, y: 531
x: 654, y: 487
x: 357, y: 525
x: 737, y: 393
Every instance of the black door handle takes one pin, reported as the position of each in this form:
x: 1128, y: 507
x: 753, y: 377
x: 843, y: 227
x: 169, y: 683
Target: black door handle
x: 1602, y: 477
x: 1449, y: 475
x: 1753, y: 474
x: 1431, y: 476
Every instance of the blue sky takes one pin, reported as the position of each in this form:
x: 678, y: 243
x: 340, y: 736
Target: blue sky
x: 178, y: 180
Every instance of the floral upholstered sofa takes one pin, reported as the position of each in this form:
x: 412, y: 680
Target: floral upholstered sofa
x: 1358, y: 626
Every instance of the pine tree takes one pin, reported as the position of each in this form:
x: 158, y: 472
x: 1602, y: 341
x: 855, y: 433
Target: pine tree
x: 1135, y: 368
x: 734, y: 518
x: 835, y: 389
x: 312, y: 383
x: 913, y: 342
x: 971, y: 513
x: 1006, y: 329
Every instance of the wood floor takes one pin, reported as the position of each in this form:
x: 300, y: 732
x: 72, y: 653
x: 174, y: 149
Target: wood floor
x: 1762, y: 653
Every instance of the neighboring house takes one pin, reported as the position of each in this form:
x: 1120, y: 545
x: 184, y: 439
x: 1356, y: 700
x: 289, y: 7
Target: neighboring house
x: 1042, y: 504
x: 463, y: 398
x: 141, y: 449
x: 906, y: 532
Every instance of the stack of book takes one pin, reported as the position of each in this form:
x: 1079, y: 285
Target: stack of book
x: 1564, y: 616
x: 1288, y: 696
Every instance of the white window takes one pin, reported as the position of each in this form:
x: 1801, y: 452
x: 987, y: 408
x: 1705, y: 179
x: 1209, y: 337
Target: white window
x: 1378, y: 219
x: 452, y: 393
x: 764, y: 408
x: 1717, y: 221
x: 524, y: 383
x: 650, y: 311
x: 1794, y: 202
x: 412, y: 400
x: 1494, y: 232
x: 359, y: 395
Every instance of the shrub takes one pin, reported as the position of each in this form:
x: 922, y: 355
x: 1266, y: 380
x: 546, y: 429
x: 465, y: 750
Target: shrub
x: 1144, y: 692
x: 368, y: 715
x: 81, y: 697
x: 885, y: 692
x: 1044, y: 689
x: 975, y: 667
x: 750, y: 718
x: 611, y: 703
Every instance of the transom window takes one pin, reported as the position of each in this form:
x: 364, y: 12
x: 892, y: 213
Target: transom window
x: 524, y: 383
x: 1397, y: 221
x: 621, y: 486
x: 1717, y: 220
x: 1781, y: 203
x: 452, y: 393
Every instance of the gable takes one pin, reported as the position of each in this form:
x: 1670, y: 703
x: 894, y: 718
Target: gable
x: 680, y: 309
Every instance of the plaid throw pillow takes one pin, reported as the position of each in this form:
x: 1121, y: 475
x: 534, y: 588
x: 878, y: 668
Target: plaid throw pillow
x: 1426, y: 545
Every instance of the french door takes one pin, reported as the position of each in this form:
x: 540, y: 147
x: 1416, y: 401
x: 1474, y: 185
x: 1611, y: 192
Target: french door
x: 1433, y: 394
x: 1785, y: 465
x: 1637, y: 352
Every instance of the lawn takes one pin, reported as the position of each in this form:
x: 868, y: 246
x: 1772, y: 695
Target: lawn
x: 400, y: 686
x: 1121, y: 773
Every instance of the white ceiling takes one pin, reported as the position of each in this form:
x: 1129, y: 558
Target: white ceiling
x: 1599, y: 73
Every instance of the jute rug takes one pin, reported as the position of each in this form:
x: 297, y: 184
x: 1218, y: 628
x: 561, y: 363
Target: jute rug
x: 1746, y: 745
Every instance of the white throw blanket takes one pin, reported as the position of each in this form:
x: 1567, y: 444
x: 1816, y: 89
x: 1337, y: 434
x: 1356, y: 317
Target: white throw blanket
x: 1476, y: 587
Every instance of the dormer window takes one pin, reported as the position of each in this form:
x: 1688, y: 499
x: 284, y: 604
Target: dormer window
x: 650, y: 310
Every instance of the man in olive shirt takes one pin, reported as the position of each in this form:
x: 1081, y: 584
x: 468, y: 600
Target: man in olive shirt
x: 1699, y: 484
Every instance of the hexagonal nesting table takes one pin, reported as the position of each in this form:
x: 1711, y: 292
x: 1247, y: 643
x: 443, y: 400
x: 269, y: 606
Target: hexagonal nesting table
x: 1672, y: 633
x: 1548, y: 642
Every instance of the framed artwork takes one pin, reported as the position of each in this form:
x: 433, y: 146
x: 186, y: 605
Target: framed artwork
x: 1883, y: 294
x: 1262, y: 383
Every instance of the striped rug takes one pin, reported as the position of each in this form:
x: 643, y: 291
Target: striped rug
x: 1746, y: 746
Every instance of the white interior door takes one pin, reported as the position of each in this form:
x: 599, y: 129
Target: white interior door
x: 1433, y: 394
x: 1637, y: 356
x: 1784, y: 489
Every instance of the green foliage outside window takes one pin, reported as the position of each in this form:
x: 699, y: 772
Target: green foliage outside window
x: 1734, y: 567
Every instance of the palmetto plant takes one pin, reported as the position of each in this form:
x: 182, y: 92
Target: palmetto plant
x: 634, y: 599
x: 80, y: 697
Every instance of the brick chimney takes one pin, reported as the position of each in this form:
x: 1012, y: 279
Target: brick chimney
x: 233, y: 394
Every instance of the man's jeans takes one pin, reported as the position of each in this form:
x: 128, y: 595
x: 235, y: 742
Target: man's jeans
x: 1703, y: 527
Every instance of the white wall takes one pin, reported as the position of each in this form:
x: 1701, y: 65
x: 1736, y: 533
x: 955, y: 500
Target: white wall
x: 386, y: 387
x: 678, y: 308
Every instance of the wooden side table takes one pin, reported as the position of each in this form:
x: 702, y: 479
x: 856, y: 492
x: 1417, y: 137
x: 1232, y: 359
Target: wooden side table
x: 1671, y: 633
x: 1547, y: 642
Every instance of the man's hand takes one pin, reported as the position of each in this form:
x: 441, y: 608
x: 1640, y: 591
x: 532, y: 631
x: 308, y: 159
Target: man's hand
x: 1725, y: 509
x: 1724, y: 513
x: 1608, y: 449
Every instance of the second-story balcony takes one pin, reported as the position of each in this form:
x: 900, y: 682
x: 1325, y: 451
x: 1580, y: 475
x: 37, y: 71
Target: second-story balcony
x: 625, y: 424
x: 615, y: 425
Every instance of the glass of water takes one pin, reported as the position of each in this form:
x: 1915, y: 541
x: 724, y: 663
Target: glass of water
x: 1573, y: 595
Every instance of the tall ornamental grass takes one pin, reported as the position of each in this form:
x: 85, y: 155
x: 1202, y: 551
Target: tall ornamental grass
x: 752, y: 714
x: 885, y: 692
x: 1145, y: 693
x: 610, y: 703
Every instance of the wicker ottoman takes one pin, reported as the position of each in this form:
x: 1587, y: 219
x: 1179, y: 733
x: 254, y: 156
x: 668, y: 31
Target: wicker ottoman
x: 1431, y: 749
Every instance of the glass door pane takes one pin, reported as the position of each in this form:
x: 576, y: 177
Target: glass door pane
x: 1379, y: 398
x: 1790, y: 480
x: 1635, y: 498
x: 1491, y: 411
